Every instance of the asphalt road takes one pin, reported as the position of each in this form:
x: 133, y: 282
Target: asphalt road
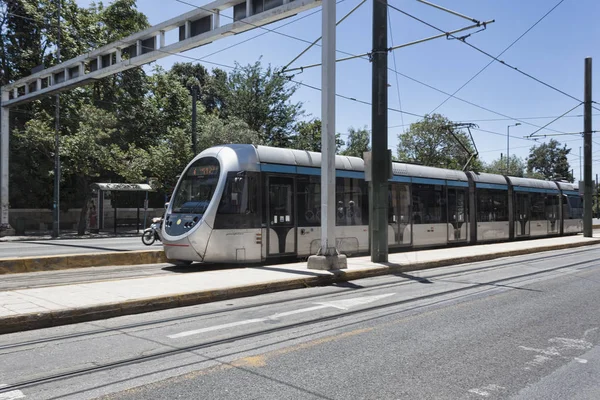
x: 31, y: 248
x: 514, y: 328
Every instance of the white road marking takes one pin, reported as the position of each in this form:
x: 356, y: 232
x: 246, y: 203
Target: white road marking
x: 216, y: 328
x: 285, y: 314
x: 12, y: 395
x: 549, y: 351
x: 485, y: 391
x: 479, y: 392
x: 581, y: 360
x: 567, y: 344
x: 346, y: 304
x: 339, y: 304
x: 560, y: 346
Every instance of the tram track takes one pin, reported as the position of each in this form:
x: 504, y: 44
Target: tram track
x: 491, y: 285
x: 343, y: 292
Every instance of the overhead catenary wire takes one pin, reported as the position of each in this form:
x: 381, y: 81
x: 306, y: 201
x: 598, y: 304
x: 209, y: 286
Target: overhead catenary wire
x: 555, y: 119
x: 503, y: 51
x: 316, y: 88
x: 260, y: 27
x: 396, y: 68
x: 320, y: 37
x: 463, y: 40
x: 367, y: 56
x: 468, y: 102
x: 347, y: 97
x: 266, y: 32
x: 524, y: 147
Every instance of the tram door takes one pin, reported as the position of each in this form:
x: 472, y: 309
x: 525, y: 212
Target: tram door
x: 522, y: 214
x: 552, y: 214
x: 457, y: 214
x: 399, y: 213
x: 281, y: 224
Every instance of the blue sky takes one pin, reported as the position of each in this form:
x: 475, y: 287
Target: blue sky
x: 553, y: 51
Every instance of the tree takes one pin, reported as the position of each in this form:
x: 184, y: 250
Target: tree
x: 308, y: 137
x: 549, y: 160
x: 516, y: 166
x: 358, y: 142
x: 215, y: 131
x: 261, y: 98
x: 430, y: 142
x: 212, y: 89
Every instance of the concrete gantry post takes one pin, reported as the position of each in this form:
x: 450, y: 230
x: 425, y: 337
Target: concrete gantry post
x: 328, y: 258
x: 5, y: 228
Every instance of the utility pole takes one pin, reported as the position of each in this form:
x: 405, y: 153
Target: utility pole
x: 581, y: 159
x: 587, y: 144
x: 381, y: 158
x: 194, y: 138
x: 56, y: 205
x: 508, y: 147
x: 597, y: 197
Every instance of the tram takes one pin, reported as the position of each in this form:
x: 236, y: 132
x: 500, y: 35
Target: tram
x: 247, y: 203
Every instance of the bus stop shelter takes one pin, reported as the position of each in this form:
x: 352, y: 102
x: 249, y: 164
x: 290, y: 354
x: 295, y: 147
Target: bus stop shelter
x: 97, y: 218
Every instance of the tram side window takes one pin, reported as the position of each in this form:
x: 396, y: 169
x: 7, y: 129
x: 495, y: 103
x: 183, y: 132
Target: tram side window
x: 239, y: 204
x: 538, y: 207
x: 492, y: 205
x: 429, y: 204
x: 574, y: 205
x: 309, y: 200
x: 348, y: 197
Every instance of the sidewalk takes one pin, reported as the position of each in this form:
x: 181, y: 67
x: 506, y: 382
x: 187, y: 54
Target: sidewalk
x: 66, y: 304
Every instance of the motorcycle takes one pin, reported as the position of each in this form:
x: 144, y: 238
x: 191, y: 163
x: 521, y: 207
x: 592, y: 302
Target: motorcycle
x: 150, y: 235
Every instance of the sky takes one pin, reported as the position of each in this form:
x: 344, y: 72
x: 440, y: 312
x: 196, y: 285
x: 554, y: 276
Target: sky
x: 553, y: 52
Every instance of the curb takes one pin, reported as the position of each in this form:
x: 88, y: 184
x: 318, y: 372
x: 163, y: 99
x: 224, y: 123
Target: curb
x: 52, y: 263
x: 32, y: 321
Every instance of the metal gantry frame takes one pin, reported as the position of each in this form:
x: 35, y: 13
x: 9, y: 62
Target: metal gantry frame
x: 198, y: 27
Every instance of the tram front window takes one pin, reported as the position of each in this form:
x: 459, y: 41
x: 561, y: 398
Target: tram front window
x: 197, y: 187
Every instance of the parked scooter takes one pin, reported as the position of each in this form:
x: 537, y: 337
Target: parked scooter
x: 150, y: 235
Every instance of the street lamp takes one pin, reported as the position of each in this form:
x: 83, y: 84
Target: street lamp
x: 508, y: 146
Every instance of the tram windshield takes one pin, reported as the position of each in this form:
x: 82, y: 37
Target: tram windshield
x: 197, y: 187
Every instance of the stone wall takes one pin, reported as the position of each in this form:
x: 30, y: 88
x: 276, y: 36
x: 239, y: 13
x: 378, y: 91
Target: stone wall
x: 41, y: 219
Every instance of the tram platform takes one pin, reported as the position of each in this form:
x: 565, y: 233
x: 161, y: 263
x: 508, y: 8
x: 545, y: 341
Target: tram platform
x: 61, y: 304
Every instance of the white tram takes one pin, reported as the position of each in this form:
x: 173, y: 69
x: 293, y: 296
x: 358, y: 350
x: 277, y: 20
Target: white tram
x: 246, y: 203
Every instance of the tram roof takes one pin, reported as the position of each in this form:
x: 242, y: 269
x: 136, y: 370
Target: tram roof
x: 305, y: 158
x: 484, y: 177
x: 532, y: 183
x: 568, y: 186
x: 421, y: 171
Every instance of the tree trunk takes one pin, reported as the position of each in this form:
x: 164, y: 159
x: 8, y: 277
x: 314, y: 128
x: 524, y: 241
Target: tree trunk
x: 85, y: 187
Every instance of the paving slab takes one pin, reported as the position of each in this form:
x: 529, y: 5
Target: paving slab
x: 41, y: 307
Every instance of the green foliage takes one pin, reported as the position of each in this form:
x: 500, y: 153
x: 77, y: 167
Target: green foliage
x: 168, y: 157
x: 516, y: 167
x: 32, y: 161
x: 212, y: 89
x: 429, y: 142
x: 215, y: 131
x: 132, y: 125
x: 358, y: 142
x: 261, y: 98
x: 308, y: 136
x: 549, y: 161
